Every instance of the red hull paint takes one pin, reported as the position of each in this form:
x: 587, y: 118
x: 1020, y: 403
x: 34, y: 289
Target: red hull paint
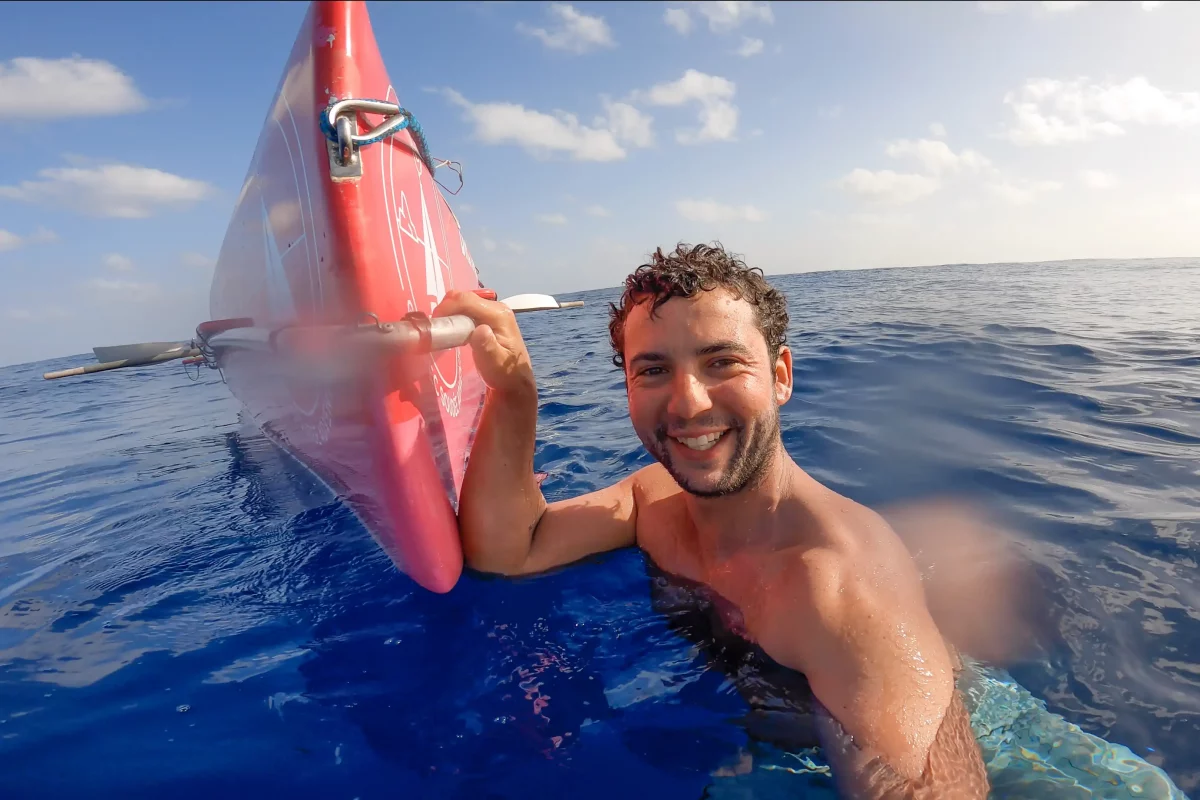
x: 302, y: 247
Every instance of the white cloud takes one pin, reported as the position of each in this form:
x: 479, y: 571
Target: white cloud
x: 1051, y: 112
x: 937, y: 130
x: 1097, y: 179
x: 1046, y: 6
x: 11, y: 241
x: 1021, y: 192
x: 750, y: 47
x: 551, y: 219
x: 18, y: 314
x: 711, y: 211
x: 575, y: 32
x: 937, y: 158
x: 598, y: 211
x: 489, y: 244
x: 885, y: 221
x: 628, y: 124
x: 1064, y: 5
x: 723, y: 15
x: 466, y: 208
x: 727, y: 15
x: 118, y: 263
x: 515, y: 247
x: 136, y: 291
x: 111, y: 190
x: 1150, y: 5
x: 197, y: 260
x: 714, y: 95
x: 539, y: 134
x: 886, y: 186
x: 43, y: 88
x: 939, y: 163
x: 829, y: 112
x: 679, y: 19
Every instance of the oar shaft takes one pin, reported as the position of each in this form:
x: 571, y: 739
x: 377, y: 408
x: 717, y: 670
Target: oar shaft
x: 405, y: 336
x: 107, y: 365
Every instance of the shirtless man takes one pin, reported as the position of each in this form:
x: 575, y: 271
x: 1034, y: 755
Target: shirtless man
x: 820, y: 583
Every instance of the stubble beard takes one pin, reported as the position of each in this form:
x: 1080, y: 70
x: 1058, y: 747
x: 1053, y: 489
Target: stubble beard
x: 756, y: 448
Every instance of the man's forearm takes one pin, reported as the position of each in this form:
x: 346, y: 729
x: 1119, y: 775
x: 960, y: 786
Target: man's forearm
x: 501, y: 502
x: 953, y: 767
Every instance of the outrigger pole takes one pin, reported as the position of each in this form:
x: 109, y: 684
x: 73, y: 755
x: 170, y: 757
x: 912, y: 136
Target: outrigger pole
x: 414, y: 334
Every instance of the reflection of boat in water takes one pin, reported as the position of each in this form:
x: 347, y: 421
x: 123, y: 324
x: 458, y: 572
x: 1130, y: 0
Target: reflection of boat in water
x: 1035, y: 753
x: 271, y: 484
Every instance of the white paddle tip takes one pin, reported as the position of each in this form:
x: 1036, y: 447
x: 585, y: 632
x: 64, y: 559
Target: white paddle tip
x: 537, y: 302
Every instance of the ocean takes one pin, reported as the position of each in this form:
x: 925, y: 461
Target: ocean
x: 186, y: 613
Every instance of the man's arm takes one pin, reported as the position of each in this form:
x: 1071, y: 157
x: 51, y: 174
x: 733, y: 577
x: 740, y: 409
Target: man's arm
x: 505, y: 523
x: 885, y: 674
x: 876, y: 662
x: 953, y: 768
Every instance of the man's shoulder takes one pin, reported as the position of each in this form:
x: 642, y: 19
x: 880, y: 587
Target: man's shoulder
x: 854, y: 538
x: 652, y: 483
x: 859, y: 575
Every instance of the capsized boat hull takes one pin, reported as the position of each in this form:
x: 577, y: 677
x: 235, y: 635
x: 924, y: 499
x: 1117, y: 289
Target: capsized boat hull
x: 305, y: 248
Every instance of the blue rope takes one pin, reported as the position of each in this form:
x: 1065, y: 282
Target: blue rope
x: 409, y: 122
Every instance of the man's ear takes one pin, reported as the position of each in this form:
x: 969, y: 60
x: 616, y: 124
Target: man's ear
x: 783, y: 375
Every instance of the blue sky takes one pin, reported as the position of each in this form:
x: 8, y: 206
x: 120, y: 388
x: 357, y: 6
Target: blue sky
x: 804, y: 136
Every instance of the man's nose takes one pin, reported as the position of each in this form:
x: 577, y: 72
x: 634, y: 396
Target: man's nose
x: 689, y: 396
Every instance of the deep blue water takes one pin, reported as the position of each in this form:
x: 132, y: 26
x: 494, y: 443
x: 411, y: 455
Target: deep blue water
x: 184, y: 612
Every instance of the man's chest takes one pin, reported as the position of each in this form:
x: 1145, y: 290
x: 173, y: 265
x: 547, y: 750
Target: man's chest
x: 744, y: 592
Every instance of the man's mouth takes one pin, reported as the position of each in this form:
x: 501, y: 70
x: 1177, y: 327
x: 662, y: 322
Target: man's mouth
x: 704, y: 442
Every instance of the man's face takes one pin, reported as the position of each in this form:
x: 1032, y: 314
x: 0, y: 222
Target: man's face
x: 704, y: 395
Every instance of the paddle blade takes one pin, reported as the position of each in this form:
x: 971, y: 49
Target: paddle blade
x: 536, y: 302
x: 143, y: 351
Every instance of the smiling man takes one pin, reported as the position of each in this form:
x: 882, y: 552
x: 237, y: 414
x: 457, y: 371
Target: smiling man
x: 820, y: 583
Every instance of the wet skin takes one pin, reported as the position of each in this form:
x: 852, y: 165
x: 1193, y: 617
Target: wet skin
x: 820, y: 584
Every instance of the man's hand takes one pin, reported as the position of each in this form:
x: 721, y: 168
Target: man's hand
x: 497, y: 344
x: 500, y: 502
x: 983, y: 594
x: 501, y: 506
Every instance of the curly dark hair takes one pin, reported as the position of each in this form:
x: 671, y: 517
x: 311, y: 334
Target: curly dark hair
x: 691, y: 269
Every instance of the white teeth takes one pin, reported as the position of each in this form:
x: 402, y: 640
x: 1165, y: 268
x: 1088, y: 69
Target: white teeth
x: 702, y: 442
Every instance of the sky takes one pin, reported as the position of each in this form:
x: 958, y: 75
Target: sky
x: 802, y: 136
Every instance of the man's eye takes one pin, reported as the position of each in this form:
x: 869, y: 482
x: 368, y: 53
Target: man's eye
x: 651, y: 371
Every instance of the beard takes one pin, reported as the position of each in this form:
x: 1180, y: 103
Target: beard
x: 753, y: 452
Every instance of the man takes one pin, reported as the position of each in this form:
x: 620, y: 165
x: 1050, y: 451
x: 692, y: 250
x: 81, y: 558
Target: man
x: 821, y: 584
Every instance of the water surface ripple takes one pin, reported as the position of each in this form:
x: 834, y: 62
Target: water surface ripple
x: 183, y: 610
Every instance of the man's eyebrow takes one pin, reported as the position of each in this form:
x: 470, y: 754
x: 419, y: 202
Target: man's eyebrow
x: 724, y: 347
x: 707, y: 350
x: 651, y: 357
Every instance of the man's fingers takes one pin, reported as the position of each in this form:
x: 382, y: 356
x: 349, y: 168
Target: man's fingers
x: 482, y: 312
x: 457, y: 301
x: 483, y: 343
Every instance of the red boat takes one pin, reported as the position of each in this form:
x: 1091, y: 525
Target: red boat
x: 340, y: 226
